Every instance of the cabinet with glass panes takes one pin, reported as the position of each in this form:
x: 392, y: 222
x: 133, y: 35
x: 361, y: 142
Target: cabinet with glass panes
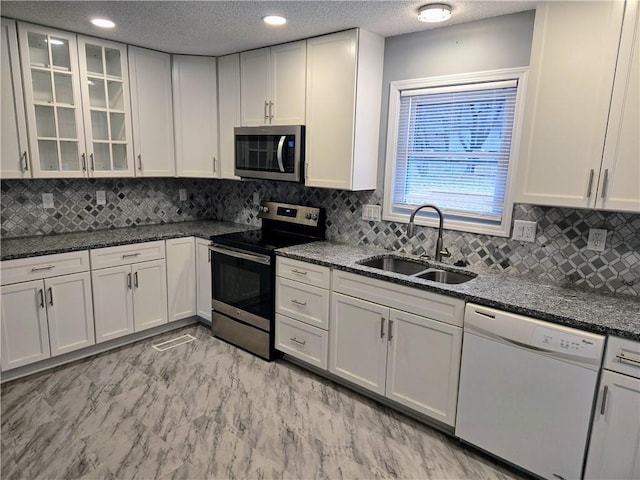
x: 107, y: 112
x: 61, y: 74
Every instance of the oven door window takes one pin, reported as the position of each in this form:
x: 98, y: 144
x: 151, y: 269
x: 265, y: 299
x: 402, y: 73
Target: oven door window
x: 243, y: 284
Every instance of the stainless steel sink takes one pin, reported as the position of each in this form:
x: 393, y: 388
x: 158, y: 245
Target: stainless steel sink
x: 445, y: 276
x: 395, y: 264
x: 415, y: 268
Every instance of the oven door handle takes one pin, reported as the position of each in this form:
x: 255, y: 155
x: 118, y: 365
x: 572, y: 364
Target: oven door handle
x: 279, y: 154
x: 233, y: 252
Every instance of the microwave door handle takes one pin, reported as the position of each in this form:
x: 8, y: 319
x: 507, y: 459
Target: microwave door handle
x: 280, y: 147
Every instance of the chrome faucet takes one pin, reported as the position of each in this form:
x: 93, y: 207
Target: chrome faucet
x: 440, y: 250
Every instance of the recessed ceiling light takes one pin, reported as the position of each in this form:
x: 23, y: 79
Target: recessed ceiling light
x: 274, y: 20
x: 103, y: 23
x: 435, y: 12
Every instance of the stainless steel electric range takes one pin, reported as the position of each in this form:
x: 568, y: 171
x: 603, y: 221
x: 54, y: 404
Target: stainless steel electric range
x: 243, y: 274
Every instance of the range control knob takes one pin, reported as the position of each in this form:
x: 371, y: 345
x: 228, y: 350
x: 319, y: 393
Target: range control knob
x: 262, y: 209
x: 311, y: 216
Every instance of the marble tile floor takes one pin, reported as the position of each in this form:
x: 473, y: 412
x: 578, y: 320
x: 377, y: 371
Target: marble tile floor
x: 208, y: 410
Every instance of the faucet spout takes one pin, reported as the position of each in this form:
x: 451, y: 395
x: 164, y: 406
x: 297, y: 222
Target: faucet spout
x: 441, y: 251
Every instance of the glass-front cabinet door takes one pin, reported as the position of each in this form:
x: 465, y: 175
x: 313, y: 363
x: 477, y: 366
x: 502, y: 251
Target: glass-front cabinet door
x: 52, y: 99
x: 107, y: 112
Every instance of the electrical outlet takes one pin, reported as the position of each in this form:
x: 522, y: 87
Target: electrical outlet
x: 101, y: 197
x: 597, y: 239
x: 47, y: 200
x: 371, y: 213
x: 183, y: 194
x: 256, y: 198
x: 524, y: 231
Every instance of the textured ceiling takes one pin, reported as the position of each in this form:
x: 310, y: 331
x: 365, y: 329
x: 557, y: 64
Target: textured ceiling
x: 220, y: 27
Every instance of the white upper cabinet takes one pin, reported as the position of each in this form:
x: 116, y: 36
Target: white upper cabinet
x: 195, y: 116
x: 104, y: 82
x: 228, y: 112
x: 151, y: 103
x: 344, y: 88
x: 569, y: 100
x: 619, y: 187
x: 51, y: 80
x: 14, y: 154
x: 272, y: 85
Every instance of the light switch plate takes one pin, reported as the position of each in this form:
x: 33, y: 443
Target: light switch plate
x: 524, y: 231
x: 597, y: 239
x: 47, y: 200
x: 183, y: 194
x: 371, y: 213
x: 101, y: 197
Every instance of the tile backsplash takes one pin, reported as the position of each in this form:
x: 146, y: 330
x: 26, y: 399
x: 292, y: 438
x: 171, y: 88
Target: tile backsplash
x: 558, y: 254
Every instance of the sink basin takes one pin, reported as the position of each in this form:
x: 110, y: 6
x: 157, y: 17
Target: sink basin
x: 395, y: 264
x: 444, y: 276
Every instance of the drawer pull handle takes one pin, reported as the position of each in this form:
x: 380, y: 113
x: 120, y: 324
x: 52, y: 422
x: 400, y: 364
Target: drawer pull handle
x: 50, y: 296
x: 623, y: 358
x: 299, y: 342
x: 485, y: 314
x: 605, y: 392
x: 41, y: 298
x: 297, y: 302
x: 37, y: 269
x: 129, y: 255
x: 299, y: 272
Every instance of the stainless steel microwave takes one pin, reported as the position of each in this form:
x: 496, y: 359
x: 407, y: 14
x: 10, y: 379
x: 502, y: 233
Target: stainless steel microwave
x: 274, y: 152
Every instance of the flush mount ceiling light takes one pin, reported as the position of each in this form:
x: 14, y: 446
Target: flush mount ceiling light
x: 434, y: 12
x: 102, y: 23
x: 274, y: 20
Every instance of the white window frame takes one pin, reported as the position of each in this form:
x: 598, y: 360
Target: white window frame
x: 425, y: 217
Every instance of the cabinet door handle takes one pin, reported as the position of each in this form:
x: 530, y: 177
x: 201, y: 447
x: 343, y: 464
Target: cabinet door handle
x: 390, y: 330
x: 93, y: 163
x: 266, y: 115
x: 135, y: 279
x: 50, y: 296
x: 214, y: 164
x: 41, y: 298
x: 605, y: 392
x: 140, y: 161
x: 129, y: 281
x: 209, y: 255
x: 299, y: 342
x: 590, y: 185
x: 26, y: 161
x: 302, y: 304
x: 382, y: 319
x: 604, y: 182
x: 84, y: 162
x: 299, y: 272
x: 270, y: 111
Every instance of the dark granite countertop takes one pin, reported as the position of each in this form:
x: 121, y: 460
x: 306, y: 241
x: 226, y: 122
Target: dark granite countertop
x: 587, y: 309
x: 21, y: 247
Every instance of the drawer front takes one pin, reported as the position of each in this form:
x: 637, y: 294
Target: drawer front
x: 45, y: 266
x: 623, y: 356
x: 413, y: 300
x: 303, y: 302
x: 307, y: 343
x: 126, y: 254
x: 304, y: 272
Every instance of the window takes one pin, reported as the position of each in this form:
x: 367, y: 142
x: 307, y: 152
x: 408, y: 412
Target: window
x: 451, y: 143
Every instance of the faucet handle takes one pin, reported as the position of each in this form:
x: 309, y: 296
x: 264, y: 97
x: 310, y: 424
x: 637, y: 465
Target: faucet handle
x: 445, y: 252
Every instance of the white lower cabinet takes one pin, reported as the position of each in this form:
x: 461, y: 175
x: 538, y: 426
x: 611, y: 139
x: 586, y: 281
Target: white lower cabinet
x: 302, y: 310
x: 46, y: 307
x: 129, y: 295
x: 405, y: 356
x: 181, y: 277
x: 614, y: 451
x: 203, y: 279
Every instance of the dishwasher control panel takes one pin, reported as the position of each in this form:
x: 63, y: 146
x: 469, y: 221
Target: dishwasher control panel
x: 558, y: 341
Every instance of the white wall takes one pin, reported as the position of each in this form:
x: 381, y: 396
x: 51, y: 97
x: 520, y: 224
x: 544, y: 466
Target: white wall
x: 493, y: 43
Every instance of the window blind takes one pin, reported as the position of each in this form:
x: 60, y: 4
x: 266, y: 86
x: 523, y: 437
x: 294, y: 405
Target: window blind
x: 453, y: 148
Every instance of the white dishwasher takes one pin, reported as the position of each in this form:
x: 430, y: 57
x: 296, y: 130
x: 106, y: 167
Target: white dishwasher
x: 527, y: 390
